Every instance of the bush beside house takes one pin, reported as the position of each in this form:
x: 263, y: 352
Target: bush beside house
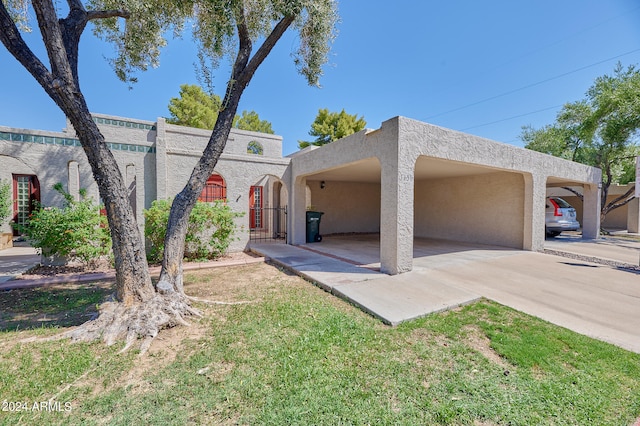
x: 210, y: 232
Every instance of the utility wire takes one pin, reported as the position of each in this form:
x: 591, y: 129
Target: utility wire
x: 531, y: 85
x: 510, y: 118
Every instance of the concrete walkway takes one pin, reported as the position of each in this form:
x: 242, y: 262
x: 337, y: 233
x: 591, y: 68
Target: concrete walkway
x: 16, y: 260
x: 596, y: 300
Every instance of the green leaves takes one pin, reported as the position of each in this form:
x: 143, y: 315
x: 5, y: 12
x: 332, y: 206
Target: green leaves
x: 250, y: 120
x: 331, y: 126
x: 209, y: 234
x: 76, y: 230
x: 214, y: 25
x: 195, y: 108
x: 5, y: 201
x: 600, y: 130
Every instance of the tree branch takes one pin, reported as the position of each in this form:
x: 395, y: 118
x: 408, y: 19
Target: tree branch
x: 579, y: 195
x: 102, y: 14
x: 52, y: 37
x: 266, y: 47
x: 15, y: 44
x: 616, y: 203
x: 76, y: 5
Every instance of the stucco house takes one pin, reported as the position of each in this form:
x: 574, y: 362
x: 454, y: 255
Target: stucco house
x: 405, y: 180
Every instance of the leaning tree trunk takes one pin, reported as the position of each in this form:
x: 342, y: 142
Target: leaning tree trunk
x: 61, y: 39
x: 174, y: 243
x: 243, y: 70
x: 133, y: 282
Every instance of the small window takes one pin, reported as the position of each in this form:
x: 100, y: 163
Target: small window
x: 214, y: 190
x: 255, y: 148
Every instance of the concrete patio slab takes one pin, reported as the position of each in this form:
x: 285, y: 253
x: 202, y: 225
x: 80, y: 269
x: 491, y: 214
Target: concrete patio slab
x: 596, y: 300
x: 392, y: 299
x: 399, y: 298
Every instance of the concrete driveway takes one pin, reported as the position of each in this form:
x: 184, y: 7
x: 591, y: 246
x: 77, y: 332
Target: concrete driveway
x: 593, y: 299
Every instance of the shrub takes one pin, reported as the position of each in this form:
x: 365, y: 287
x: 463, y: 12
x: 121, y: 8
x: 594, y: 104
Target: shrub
x: 5, y: 201
x: 76, y: 231
x: 209, y: 233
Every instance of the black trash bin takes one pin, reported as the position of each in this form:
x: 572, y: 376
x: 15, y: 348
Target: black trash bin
x: 313, y: 227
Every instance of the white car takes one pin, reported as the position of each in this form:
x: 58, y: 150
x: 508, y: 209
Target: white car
x: 559, y: 216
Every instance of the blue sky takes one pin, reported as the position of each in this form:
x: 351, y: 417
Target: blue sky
x: 485, y: 68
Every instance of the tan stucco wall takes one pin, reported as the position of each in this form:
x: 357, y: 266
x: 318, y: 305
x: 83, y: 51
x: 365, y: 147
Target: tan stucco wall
x: 400, y: 142
x: 347, y: 206
x: 180, y: 148
x: 158, y: 157
x: 486, y: 209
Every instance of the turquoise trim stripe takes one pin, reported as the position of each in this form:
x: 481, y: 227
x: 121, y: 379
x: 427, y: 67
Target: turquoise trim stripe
x: 54, y: 140
x: 123, y: 123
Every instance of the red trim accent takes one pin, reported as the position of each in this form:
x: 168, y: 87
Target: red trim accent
x: 214, y: 189
x: 255, y: 217
x: 34, y: 194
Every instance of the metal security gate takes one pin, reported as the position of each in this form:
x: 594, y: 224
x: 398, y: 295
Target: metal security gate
x: 271, y: 226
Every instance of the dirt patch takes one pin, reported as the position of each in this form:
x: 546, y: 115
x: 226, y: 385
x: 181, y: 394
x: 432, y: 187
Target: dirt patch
x: 477, y: 340
x: 57, y: 305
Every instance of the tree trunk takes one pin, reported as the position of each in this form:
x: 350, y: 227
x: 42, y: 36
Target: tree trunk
x: 61, y: 38
x: 171, y: 274
x: 133, y: 282
x: 243, y: 70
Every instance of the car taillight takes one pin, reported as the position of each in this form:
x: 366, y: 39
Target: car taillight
x: 556, y: 207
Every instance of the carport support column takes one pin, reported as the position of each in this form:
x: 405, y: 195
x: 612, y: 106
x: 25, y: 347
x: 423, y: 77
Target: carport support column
x: 297, y: 214
x: 396, y: 217
x: 633, y: 215
x: 535, y: 189
x: 591, y: 212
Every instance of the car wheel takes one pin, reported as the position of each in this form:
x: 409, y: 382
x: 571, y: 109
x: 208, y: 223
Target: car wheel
x: 553, y: 234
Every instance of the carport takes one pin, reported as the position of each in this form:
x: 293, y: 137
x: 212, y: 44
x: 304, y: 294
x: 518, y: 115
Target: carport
x: 410, y: 179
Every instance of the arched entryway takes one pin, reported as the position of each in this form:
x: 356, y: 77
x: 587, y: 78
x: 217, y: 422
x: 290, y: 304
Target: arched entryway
x: 268, y: 210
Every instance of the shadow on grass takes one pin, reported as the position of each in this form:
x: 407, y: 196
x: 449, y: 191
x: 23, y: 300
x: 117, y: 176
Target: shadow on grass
x: 63, y: 305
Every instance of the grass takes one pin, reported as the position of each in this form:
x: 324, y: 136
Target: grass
x: 296, y: 355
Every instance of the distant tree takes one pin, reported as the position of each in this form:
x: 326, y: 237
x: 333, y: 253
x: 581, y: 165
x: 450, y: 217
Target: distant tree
x: 601, y: 130
x: 250, y: 120
x: 194, y: 108
x: 331, y: 126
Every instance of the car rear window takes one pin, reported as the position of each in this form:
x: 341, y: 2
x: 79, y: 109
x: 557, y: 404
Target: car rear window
x: 562, y: 203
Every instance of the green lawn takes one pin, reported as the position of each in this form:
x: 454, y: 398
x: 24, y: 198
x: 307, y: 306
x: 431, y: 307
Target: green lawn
x: 297, y: 355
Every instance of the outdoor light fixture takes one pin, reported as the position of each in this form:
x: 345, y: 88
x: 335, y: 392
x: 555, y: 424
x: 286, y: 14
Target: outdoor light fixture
x: 322, y: 185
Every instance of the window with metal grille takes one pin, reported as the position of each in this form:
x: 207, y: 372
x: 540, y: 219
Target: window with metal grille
x: 214, y: 190
x: 26, y: 193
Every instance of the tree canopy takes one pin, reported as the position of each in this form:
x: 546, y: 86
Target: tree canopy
x: 250, y: 120
x: 195, y: 108
x: 601, y: 130
x: 331, y: 126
